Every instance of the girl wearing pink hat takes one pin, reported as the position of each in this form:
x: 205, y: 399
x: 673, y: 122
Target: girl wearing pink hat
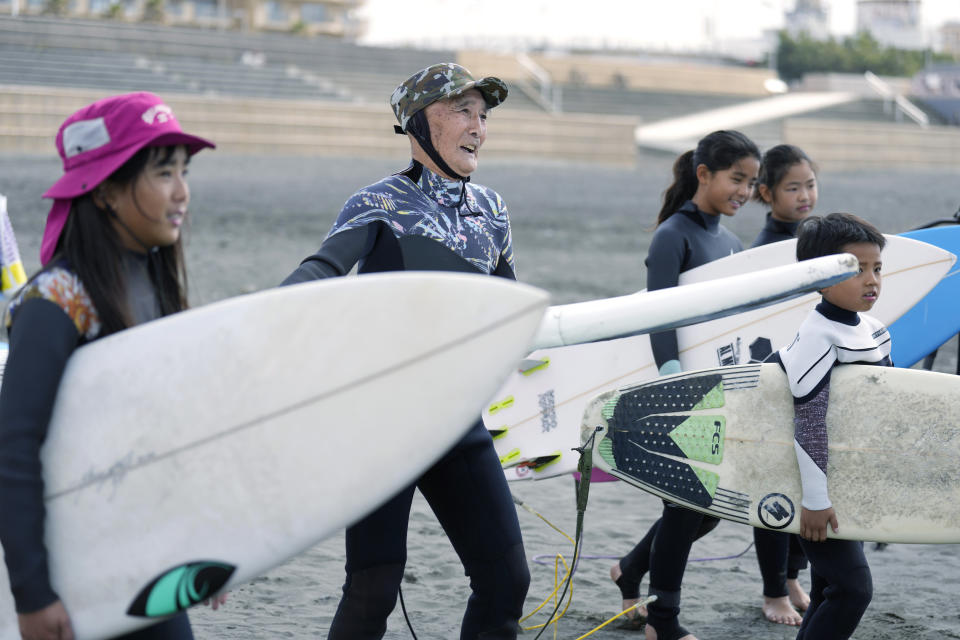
x: 112, y: 259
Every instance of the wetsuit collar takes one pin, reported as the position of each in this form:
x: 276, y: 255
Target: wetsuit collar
x: 705, y: 220
x: 831, y: 311
x: 446, y: 193
x: 778, y: 226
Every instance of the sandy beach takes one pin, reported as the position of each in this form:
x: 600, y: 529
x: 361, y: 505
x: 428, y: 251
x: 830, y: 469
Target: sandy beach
x: 580, y: 232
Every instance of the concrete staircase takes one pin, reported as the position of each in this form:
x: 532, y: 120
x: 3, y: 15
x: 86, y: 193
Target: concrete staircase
x: 30, y: 116
x: 122, y: 56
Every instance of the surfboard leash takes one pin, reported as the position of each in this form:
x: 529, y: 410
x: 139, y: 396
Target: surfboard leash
x: 585, y: 468
x: 403, y: 607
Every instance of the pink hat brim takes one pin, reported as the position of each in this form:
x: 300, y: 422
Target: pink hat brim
x: 85, y: 178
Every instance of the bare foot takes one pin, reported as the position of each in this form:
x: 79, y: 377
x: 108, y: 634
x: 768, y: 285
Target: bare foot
x: 640, y: 613
x: 798, y: 597
x: 780, y: 611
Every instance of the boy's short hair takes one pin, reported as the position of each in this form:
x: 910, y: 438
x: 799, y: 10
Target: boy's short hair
x: 824, y: 236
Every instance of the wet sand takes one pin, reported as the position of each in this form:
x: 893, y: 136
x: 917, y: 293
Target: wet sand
x: 580, y: 232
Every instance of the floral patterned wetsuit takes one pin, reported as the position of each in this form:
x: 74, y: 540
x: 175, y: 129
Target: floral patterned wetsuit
x: 419, y: 220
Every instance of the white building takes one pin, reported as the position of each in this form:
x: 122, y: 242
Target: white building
x: 894, y: 23
x: 810, y: 17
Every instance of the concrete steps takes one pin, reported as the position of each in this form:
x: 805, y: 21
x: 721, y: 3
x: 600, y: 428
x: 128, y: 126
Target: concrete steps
x: 846, y: 145
x: 30, y: 117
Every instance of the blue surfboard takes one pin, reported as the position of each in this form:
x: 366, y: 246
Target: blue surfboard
x: 936, y: 318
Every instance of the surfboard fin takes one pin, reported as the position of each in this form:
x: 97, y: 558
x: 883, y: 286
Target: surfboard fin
x: 532, y: 365
x: 541, y: 462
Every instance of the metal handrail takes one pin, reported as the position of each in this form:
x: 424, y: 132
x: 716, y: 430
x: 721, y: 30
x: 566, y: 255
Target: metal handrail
x: 903, y: 105
x: 546, y: 94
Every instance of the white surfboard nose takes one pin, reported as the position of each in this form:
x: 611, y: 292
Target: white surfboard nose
x: 649, y: 311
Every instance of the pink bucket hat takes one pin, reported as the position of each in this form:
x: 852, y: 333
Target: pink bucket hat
x: 97, y: 140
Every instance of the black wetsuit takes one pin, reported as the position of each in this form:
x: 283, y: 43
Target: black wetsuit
x: 50, y: 318
x: 419, y: 220
x: 779, y: 555
x: 774, y: 231
x: 689, y: 238
x: 842, y: 586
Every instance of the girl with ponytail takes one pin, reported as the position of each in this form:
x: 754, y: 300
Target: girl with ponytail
x: 711, y: 181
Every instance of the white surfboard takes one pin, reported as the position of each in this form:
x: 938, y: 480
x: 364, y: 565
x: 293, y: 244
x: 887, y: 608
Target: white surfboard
x: 649, y: 311
x: 535, y: 416
x: 720, y: 441
x: 197, y: 451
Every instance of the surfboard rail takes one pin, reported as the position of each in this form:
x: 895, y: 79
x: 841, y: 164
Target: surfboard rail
x: 651, y: 311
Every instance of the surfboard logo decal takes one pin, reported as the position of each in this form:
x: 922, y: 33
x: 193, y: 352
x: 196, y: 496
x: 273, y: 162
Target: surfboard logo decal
x: 776, y: 511
x: 701, y: 438
x: 548, y: 411
x: 179, y: 588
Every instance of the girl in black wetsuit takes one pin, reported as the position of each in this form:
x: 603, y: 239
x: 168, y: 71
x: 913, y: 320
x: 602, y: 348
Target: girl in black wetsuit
x: 715, y: 179
x: 111, y: 259
x: 788, y: 185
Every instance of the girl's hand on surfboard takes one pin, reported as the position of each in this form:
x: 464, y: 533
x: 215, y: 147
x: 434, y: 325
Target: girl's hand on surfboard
x: 813, y: 524
x: 50, y: 623
x: 216, y: 601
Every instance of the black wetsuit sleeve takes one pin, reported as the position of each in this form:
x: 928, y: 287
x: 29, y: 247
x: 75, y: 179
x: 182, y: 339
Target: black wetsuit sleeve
x: 336, y: 256
x: 503, y: 269
x: 42, y: 338
x: 664, y: 262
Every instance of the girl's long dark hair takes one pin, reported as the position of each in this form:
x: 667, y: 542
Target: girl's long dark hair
x: 94, y: 251
x: 717, y: 151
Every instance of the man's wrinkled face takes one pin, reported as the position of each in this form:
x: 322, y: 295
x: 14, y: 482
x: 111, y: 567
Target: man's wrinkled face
x: 458, y: 128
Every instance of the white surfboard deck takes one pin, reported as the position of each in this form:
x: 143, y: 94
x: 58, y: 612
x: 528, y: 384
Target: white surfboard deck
x: 226, y: 439
x: 535, y: 416
x: 721, y: 441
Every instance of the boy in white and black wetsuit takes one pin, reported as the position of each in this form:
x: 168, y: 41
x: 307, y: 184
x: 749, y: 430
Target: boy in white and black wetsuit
x: 832, y: 334
x: 430, y: 217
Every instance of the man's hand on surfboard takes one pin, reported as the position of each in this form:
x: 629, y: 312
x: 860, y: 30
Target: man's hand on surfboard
x: 50, y: 623
x: 813, y: 524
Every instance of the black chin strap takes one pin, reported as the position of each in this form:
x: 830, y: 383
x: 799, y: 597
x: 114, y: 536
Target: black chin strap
x: 419, y: 128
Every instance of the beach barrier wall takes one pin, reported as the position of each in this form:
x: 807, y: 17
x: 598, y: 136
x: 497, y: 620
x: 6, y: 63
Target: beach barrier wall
x: 30, y: 116
x: 845, y: 144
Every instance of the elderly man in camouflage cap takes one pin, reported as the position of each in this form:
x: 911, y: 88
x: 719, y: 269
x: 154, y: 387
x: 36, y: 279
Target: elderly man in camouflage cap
x: 431, y: 217
x: 441, y: 93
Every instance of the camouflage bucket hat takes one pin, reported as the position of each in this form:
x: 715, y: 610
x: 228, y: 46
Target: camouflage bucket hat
x: 439, y: 81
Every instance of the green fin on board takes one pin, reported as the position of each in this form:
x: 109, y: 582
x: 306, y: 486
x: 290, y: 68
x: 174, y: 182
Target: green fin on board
x: 532, y: 365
